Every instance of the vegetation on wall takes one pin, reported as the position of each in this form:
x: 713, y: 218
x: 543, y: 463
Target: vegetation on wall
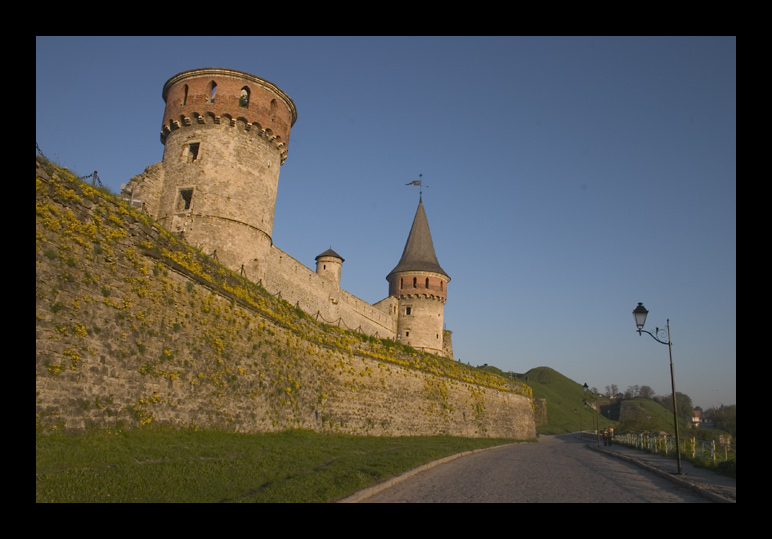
x: 103, y: 265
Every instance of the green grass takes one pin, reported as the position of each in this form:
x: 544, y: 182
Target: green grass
x: 563, y: 397
x: 653, y: 417
x: 566, y: 411
x: 163, y: 464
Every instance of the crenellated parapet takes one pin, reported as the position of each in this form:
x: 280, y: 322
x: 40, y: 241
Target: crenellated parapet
x: 203, y: 118
x: 231, y: 97
x: 419, y: 284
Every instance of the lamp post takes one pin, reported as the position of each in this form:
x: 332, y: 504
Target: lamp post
x: 597, y: 423
x: 639, y: 313
x: 580, y: 423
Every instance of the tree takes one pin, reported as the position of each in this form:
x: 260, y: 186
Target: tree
x: 646, y: 392
x: 683, y: 401
x: 637, y: 419
x: 725, y: 418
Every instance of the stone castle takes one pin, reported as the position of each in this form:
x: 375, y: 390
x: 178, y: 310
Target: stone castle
x: 226, y: 134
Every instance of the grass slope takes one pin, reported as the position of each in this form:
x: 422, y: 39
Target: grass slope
x: 565, y: 401
x: 155, y: 464
x: 566, y: 411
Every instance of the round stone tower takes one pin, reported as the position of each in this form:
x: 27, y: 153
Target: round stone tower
x: 421, y: 287
x: 329, y: 265
x: 225, y: 136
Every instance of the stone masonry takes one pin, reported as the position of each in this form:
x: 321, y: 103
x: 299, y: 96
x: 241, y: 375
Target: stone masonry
x: 134, y: 327
x: 226, y: 134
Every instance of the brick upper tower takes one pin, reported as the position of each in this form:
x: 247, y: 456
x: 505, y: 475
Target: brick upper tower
x: 225, y: 136
x: 421, y: 287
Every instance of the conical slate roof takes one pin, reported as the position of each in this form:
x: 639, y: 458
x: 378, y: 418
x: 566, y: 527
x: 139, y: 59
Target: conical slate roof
x: 419, y: 250
x: 329, y: 252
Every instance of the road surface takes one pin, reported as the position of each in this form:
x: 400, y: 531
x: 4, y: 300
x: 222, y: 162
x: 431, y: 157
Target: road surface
x: 557, y: 469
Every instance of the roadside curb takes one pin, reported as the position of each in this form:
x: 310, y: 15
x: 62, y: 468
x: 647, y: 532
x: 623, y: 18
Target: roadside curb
x: 695, y: 487
x: 378, y: 487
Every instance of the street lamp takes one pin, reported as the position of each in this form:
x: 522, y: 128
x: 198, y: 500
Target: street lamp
x: 597, y: 424
x: 576, y: 411
x: 639, y: 313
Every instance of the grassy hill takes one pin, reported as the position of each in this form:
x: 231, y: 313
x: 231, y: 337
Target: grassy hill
x: 566, y: 410
x: 647, y: 415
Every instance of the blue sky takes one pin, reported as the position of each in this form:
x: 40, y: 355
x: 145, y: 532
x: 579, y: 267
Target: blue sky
x: 566, y: 179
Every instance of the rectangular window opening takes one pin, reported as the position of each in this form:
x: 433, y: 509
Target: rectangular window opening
x: 186, y: 196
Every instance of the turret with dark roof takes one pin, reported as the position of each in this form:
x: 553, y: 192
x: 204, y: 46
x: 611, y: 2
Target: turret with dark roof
x: 419, y: 254
x: 331, y: 253
x: 329, y: 265
x: 420, y: 286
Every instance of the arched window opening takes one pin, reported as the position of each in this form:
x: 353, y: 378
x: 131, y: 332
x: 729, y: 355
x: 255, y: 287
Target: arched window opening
x: 427, y: 282
x: 401, y: 283
x: 212, y: 91
x: 415, y: 282
x: 185, y: 95
x: 441, y: 285
x: 274, y: 106
x: 244, y: 97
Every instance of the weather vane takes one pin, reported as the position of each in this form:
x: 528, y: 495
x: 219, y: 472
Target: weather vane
x: 420, y: 186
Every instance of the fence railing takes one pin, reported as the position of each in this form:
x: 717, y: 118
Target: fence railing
x: 690, y: 447
x: 94, y: 177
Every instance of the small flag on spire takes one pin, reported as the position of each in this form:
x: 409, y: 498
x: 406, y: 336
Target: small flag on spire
x: 416, y: 182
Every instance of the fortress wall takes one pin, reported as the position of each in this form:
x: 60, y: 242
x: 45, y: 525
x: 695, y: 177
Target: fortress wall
x: 188, y: 378
x: 229, y: 368
x: 283, y: 275
x: 144, y: 190
x: 124, y: 337
x: 278, y: 272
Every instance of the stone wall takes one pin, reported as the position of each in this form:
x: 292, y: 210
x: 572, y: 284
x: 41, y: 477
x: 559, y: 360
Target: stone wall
x: 231, y: 218
x: 225, y: 136
x: 299, y: 285
x: 133, y: 326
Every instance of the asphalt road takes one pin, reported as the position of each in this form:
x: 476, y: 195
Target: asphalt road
x: 557, y: 469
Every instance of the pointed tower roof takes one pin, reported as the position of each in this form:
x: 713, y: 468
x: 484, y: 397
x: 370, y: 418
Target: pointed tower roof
x: 418, y: 254
x: 329, y: 252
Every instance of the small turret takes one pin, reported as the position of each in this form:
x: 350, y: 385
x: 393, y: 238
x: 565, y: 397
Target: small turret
x: 329, y: 265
